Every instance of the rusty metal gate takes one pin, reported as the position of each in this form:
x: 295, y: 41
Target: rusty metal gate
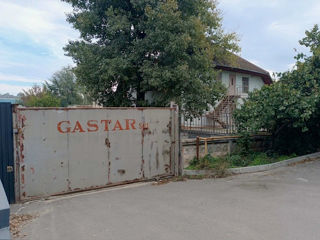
x: 6, y: 150
x: 71, y: 149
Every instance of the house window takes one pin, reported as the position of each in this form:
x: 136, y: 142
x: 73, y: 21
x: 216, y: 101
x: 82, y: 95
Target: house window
x: 245, y: 85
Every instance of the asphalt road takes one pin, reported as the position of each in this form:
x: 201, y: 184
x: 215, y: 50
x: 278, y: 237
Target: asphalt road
x: 280, y: 204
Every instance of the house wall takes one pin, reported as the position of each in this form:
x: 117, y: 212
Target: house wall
x: 255, y: 82
x: 225, y: 78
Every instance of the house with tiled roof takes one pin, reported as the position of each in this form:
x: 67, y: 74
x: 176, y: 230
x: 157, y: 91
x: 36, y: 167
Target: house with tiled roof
x: 243, y: 68
x: 239, y: 77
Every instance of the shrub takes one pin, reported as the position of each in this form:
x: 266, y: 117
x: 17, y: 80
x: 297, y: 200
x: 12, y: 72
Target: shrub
x: 239, y: 160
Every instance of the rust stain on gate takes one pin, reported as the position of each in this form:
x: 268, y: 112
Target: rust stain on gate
x: 63, y: 150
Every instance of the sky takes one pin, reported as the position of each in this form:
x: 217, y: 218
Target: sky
x: 34, y: 32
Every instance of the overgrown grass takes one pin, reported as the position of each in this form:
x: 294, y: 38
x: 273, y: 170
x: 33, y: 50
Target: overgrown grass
x: 220, y: 164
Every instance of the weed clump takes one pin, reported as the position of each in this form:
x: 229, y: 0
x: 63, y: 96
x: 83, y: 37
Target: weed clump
x: 221, y: 164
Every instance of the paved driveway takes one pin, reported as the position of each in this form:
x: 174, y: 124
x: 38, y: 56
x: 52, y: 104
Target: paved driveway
x: 280, y: 204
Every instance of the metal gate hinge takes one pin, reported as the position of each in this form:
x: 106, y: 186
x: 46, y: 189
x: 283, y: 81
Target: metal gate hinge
x: 9, y: 169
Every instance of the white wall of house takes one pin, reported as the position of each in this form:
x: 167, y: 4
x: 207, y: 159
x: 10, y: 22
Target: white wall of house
x: 255, y: 82
x: 225, y: 78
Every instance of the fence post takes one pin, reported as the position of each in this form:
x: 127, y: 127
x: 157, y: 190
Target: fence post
x: 205, y: 147
x: 197, y: 144
x: 229, y: 146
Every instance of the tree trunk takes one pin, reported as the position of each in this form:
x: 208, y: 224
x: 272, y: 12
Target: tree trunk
x: 140, y: 93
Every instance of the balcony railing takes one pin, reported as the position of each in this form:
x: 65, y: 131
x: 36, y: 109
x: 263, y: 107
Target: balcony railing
x: 210, y: 126
x: 239, y: 91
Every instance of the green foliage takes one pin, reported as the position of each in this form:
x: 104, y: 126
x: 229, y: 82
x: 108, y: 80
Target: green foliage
x: 167, y: 48
x: 263, y: 158
x: 206, y: 162
x: 38, y: 97
x: 290, y: 108
x: 203, y: 163
x: 220, y: 164
x: 239, y: 160
x: 274, y: 107
x: 244, y: 143
x: 64, y: 86
x: 221, y: 167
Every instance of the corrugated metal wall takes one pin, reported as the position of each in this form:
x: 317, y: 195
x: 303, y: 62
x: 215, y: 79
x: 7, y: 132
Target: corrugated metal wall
x: 6, y: 150
x: 65, y: 150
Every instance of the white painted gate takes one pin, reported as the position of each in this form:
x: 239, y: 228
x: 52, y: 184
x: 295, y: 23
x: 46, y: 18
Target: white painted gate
x: 63, y: 150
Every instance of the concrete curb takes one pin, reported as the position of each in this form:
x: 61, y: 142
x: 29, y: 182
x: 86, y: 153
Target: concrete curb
x: 254, y: 169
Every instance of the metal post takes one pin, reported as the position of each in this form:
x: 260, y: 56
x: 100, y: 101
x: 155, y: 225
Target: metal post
x: 229, y: 146
x: 181, y: 163
x: 205, y: 147
x: 197, y: 144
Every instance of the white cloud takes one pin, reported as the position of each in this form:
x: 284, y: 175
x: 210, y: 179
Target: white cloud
x: 285, y: 29
x: 298, y: 21
x: 9, y: 77
x: 292, y: 66
x: 270, y: 29
x: 272, y: 73
x: 5, y: 63
x: 42, y: 21
x: 240, y: 5
x: 313, y: 13
x: 34, y: 33
x: 14, y: 90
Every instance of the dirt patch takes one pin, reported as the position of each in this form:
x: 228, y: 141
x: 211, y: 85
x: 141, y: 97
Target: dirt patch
x: 161, y: 181
x: 167, y: 180
x: 17, y: 222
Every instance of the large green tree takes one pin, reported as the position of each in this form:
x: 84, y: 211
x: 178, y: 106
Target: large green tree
x: 63, y: 85
x: 164, y: 47
x: 290, y: 108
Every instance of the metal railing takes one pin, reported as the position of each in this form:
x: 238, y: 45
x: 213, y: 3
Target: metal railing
x: 239, y: 91
x: 219, y: 121
x: 229, y: 139
x: 224, y: 125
